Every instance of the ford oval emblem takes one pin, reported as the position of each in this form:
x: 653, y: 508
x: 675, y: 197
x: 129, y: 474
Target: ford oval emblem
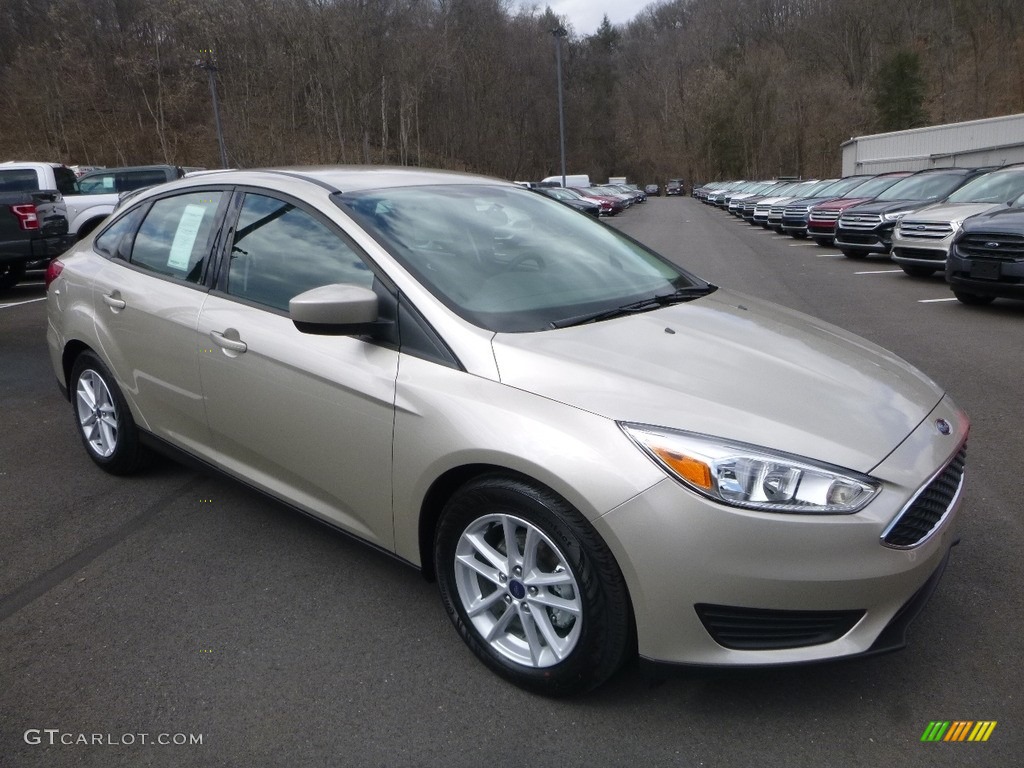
x: 943, y: 426
x: 920, y: 227
x: 991, y: 245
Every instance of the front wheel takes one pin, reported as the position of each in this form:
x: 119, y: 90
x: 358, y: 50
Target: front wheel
x: 824, y: 242
x: 973, y: 299
x: 104, y: 421
x: 530, y: 586
x: 852, y: 254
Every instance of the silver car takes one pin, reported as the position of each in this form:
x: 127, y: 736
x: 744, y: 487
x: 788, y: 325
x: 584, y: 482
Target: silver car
x: 594, y: 452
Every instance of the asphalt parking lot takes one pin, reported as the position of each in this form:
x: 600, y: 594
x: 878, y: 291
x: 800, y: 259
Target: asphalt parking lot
x: 175, y: 603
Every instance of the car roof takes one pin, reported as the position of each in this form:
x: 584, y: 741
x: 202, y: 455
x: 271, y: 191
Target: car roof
x: 122, y: 169
x: 353, y: 178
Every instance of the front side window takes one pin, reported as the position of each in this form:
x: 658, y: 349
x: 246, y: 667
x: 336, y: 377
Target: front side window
x: 509, y: 260
x: 177, y: 235
x: 97, y: 185
x: 280, y: 251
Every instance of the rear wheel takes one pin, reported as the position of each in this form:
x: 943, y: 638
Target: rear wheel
x: 104, y: 420
x: 11, y: 274
x: 530, y: 586
x: 973, y: 299
x: 916, y: 271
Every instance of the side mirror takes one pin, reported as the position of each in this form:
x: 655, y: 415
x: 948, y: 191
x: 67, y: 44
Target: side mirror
x: 337, y: 310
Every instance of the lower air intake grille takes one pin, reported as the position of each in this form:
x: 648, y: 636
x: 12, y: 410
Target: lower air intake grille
x: 919, y: 519
x: 756, y: 629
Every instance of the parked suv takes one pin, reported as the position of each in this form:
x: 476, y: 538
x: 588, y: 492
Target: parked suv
x: 921, y: 241
x: 127, y: 179
x: 987, y: 256
x: 674, y: 187
x: 866, y: 229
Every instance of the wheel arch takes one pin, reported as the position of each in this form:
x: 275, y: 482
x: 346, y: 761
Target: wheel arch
x: 71, y: 351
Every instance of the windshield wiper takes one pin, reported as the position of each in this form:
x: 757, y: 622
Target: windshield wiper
x: 636, y: 307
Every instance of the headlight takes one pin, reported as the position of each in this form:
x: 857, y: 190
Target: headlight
x: 751, y: 477
x: 895, y: 216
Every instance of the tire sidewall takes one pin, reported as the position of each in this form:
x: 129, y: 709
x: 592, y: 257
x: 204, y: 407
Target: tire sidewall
x: 126, y: 454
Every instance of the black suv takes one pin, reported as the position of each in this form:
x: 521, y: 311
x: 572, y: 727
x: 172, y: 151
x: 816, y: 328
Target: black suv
x: 986, y: 259
x: 867, y: 228
x: 674, y: 187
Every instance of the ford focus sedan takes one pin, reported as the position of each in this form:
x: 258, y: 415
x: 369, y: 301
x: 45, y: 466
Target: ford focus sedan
x: 594, y: 452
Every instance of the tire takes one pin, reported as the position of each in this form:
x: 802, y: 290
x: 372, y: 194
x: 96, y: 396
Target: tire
x: 851, y: 254
x: 915, y: 271
x: 973, y: 299
x: 824, y: 242
x: 11, y: 274
x: 104, y: 420
x: 799, y: 235
x: 572, y: 648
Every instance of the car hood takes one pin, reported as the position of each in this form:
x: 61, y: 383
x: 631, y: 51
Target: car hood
x: 890, y: 206
x: 1008, y: 221
x: 841, y: 204
x: 949, y: 212
x: 809, y: 201
x: 731, y: 366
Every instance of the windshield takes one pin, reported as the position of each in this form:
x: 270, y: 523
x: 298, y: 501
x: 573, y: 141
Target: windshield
x: 872, y: 187
x: 926, y: 186
x: 509, y: 260
x: 839, y: 188
x: 995, y: 187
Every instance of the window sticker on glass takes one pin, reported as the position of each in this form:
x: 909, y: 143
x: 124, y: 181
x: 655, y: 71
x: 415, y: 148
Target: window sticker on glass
x: 108, y: 182
x: 185, y: 236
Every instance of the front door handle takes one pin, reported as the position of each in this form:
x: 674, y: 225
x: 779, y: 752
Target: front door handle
x: 114, y: 300
x: 225, y: 341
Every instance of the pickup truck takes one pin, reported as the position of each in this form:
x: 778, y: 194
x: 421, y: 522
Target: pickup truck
x: 33, y: 228
x: 84, y: 212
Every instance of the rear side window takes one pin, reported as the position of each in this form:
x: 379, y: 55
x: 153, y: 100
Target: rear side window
x: 116, y: 241
x: 177, y: 234
x: 280, y: 251
x: 18, y: 180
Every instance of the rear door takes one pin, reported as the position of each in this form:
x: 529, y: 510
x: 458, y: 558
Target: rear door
x: 147, y: 298
x: 308, y: 418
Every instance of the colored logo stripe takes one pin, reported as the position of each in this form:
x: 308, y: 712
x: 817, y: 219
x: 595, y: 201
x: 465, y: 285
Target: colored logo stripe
x: 958, y: 730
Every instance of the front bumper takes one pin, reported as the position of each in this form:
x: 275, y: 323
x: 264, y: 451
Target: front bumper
x: 985, y: 277
x: 921, y: 252
x: 697, y: 553
x: 870, y: 241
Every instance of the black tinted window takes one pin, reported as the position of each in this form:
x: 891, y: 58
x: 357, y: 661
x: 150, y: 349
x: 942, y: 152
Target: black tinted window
x: 116, y: 240
x: 280, y: 251
x: 65, y: 179
x: 176, y: 237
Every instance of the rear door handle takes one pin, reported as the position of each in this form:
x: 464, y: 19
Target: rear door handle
x: 235, y: 345
x: 114, y: 300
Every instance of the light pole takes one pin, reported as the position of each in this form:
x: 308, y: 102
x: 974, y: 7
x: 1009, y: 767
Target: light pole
x: 559, y: 32
x: 209, y: 64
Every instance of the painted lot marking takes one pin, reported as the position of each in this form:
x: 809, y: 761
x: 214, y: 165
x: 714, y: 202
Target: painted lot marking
x: 19, y: 303
x: 832, y: 256
x: 935, y: 301
x: 880, y: 272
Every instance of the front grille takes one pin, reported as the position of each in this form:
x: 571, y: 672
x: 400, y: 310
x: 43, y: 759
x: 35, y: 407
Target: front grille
x: 998, y: 247
x: 926, y: 230
x: 824, y: 216
x: 776, y: 211
x: 757, y: 629
x: 859, y: 220
x: 929, y: 254
x: 795, y: 211
x: 929, y: 507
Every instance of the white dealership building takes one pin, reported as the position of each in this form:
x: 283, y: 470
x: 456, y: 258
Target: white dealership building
x: 993, y: 141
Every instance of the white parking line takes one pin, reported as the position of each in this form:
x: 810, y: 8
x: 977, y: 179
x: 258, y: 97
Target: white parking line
x: 880, y: 272
x: 19, y: 303
x: 803, y: 245
x: 935, y: 301
x: 832, y: 256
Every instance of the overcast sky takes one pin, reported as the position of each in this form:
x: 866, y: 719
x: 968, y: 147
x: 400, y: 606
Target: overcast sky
x: 585, y: 15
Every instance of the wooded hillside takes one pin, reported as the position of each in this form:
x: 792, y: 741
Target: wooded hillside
x: 695, y: 88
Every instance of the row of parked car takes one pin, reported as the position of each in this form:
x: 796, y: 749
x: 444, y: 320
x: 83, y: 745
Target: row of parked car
x: 597, y: 200
x: 965, y: 222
